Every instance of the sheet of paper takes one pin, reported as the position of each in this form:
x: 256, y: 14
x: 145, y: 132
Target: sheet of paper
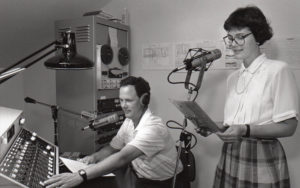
x: 158, y: 56
x: 74, y: 165
x: 113, y: 36
x: 193, y: 112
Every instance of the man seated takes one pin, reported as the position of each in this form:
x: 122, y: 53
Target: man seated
x: 142, y: 154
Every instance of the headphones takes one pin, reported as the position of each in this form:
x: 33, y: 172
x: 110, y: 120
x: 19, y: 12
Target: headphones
x: 145, y: 99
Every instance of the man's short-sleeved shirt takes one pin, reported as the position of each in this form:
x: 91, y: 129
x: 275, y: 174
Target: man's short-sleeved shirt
x: 152, y: 137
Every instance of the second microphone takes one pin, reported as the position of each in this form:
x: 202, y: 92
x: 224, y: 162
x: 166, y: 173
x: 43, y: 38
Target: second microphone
x: 113, y: 118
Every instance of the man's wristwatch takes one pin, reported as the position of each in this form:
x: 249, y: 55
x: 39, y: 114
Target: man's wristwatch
x: 82, y: 173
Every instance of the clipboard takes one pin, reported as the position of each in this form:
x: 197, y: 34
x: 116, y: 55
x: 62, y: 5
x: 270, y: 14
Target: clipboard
x: 193, y: 112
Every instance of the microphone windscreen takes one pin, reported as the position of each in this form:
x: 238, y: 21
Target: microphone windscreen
x: 216, y: 53
x: 112, y: 118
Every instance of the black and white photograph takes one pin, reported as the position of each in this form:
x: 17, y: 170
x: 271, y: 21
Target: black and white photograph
x: 149, y: 94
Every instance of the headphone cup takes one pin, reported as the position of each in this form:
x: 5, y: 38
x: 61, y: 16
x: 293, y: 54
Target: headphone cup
x: 146, y: 99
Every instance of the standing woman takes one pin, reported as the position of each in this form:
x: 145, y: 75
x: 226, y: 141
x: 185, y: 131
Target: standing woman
x: 261, y: 106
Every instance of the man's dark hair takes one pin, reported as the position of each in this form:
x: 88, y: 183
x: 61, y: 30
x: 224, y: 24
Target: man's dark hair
x: 141, y: 86
x: 252, y: 18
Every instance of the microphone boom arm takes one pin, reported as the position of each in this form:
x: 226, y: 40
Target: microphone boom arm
x: 54, y: 111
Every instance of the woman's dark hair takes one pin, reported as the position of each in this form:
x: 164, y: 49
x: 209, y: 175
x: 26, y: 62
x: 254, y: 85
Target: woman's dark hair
x: 252, y: 18
x: 141, y: 87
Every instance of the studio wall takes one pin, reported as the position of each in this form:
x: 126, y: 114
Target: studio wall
x: 172, y: 21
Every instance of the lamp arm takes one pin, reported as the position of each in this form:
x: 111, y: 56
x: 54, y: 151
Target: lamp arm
x: 68, y: 60
x: 27, y: 57
x: 41, y: 57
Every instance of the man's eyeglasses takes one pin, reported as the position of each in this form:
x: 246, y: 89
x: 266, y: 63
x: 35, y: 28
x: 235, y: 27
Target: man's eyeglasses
x: 239, y: 39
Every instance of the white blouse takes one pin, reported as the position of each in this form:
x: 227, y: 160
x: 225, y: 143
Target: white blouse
x: 263, y: 93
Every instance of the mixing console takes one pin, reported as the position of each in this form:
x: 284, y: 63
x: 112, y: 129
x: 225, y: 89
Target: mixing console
x: 29, y: 161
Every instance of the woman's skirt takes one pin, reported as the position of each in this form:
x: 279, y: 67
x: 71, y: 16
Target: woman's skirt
x: 259, y: 163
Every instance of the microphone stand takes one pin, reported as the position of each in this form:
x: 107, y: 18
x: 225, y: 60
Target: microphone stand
x: 182, y: 140
x: 185, y: 137
x: 54, y: 111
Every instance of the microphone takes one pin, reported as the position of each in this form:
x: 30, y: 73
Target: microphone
x: 200, y: 59
x: 113, y: 118
x: 88, y: 115
x: 29, y: 100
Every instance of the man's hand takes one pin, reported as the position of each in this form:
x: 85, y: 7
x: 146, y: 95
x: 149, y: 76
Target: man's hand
x: 90, y: 159
x: 64, y: 180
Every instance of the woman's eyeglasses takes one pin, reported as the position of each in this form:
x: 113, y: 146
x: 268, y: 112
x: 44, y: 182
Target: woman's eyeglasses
x: 239, y: 39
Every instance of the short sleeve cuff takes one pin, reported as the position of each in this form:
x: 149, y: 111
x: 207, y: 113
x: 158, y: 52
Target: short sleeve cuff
x: 285, y: 116
x: 114, y: 143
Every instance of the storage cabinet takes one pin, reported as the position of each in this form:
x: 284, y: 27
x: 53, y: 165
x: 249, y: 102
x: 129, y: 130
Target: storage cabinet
x: 106, y: 43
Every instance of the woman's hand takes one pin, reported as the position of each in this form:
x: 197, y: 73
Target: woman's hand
x: 203, y: 131
x: 64, y: 180
x: 233, y: 133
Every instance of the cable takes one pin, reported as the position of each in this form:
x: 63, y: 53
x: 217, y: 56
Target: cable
x: 197, y: 92
x: 184, y: 140
x: 172, y: 121
x: 168, y: 78
x: 180, y: 128
x: 193, y: 85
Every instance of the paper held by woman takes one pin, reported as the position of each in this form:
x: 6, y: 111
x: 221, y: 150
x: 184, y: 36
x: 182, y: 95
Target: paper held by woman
x: 193, y: 112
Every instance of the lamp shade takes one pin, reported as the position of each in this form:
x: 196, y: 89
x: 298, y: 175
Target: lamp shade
x: 68, y: 58
x: 63, y: 62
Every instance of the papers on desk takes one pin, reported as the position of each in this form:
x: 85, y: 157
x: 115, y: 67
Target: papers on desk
x: 74, y: 165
